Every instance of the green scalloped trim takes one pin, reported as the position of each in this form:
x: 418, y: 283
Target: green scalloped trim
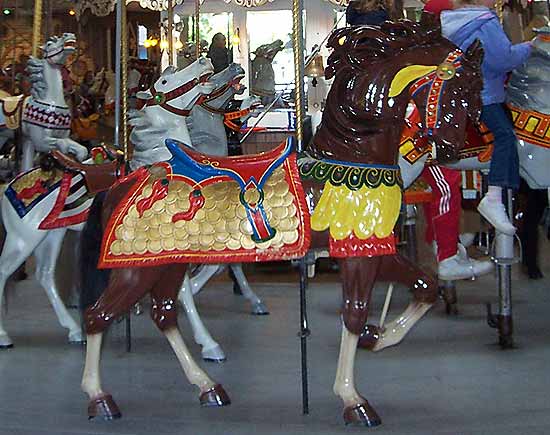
x: 353, y: 177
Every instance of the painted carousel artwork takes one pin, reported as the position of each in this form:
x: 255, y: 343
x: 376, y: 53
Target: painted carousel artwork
x: 342, y: 194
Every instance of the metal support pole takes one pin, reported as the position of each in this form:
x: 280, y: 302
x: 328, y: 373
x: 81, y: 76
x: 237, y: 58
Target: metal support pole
x: 36, y: 27
x: 124, y: 83
x: 298, y: 44
x: 197, y: 29
x: 118, y: 69
x: 304, y: 334
x: 169, y: 34
x: 128, y: 323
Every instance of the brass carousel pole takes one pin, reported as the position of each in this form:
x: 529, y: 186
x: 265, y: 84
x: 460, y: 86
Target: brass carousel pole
x: 197, y: 28
x: 36, y: 27
x: 124, y: 83
x: 499, y: 6
x: 169, y: 35
x: 298, y: 44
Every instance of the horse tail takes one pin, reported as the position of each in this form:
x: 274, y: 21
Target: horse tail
x: 93, y: 281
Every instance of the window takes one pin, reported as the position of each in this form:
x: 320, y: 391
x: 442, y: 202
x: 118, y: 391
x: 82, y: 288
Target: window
x: 264, y: 27
x: 142, y: 36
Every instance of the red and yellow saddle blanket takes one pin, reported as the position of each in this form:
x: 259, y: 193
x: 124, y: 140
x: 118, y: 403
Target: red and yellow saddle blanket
x: 201, y: 209
x: 66, y: 191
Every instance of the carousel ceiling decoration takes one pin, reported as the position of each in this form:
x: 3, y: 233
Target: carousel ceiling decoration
x: 102, y: 8
x: 249, y: 3
x: 105, y: 7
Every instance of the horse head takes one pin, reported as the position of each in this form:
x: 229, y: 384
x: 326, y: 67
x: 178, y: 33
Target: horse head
x: 227, y: 84
x: 178, y: 91
x: 529, y: 85
x: 269, y: 51
x: 378, y: 70
x: 57, y: 49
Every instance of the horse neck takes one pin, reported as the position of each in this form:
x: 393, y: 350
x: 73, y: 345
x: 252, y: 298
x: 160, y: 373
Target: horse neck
x: 54, y: 85
x: 175, y: 125
x: 208, y: 132
x: 368, y: 138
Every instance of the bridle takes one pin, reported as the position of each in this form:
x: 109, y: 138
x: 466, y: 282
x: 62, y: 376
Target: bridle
x: 435, y: 81
x: 163, y: 98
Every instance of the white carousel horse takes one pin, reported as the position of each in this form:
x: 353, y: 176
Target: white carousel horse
x: 207, y: 134
x: 22, y: 218
x: 44, y: 117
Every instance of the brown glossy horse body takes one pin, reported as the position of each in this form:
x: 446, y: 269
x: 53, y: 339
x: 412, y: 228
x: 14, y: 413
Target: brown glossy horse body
x: 362, y: 124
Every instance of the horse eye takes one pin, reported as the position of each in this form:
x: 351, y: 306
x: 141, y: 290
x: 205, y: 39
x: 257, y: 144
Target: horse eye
x: 164, y: 82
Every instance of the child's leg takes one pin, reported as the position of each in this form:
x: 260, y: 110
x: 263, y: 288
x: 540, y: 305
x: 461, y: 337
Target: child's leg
x: 504, y: 172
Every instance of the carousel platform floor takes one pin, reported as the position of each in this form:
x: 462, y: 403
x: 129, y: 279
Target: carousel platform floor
x: 448, y: 377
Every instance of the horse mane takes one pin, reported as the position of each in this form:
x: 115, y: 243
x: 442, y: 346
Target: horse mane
x: 35, y: 68
x: 357, y: 45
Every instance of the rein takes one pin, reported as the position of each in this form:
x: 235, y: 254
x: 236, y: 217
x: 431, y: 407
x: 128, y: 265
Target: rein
x: 229, y: 117
x: 436, y: 82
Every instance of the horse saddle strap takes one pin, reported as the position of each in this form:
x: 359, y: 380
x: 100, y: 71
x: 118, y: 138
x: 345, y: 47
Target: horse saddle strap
x: 98, y: 177
x: 11, y: 109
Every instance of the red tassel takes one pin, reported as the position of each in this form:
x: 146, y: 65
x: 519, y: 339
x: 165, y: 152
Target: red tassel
x: 160, y: 190
x: 196, y: 201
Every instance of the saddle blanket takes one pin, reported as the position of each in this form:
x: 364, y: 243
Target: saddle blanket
x: 201, y: 209
x: 10, y: 113
x: 72, y: 202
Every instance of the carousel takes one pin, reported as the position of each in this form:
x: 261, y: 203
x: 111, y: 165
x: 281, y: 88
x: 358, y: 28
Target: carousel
x: 267, y: 147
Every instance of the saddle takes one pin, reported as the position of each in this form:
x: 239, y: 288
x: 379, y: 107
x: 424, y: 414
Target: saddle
x: 187, y: 161
x: 12, y: 110
x: 98, y: 177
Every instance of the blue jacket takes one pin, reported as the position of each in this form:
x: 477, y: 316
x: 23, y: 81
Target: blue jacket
x: 372, y: 18
x: 464, y: 25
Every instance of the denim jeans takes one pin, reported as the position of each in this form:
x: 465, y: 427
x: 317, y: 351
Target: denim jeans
x: 504, y: 171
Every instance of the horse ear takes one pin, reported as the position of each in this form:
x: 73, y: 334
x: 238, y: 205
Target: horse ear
x: 475, y: 52
x: 144, y: 95
x: 169, y: 70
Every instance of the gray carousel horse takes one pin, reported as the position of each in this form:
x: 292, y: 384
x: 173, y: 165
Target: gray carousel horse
x: 262, y: 77
x: 44, y: 117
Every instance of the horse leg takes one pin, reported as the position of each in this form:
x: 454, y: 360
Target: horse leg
x: 424, y: 289
x: 258, y: 307
x: 15, y: 251
x: 211, y: 350
x: 358, y: 277
x: 164, y: 314
x: 46, y: 255
x: 125, y: 288
x: 199, y: 280
x: 27, y: 159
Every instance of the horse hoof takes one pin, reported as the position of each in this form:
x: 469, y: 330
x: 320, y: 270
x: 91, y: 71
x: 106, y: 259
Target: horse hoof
x: 361, y: 415
x: 215, y: 396
x: 77, y: 338
x: 215, y: 354
x: 369, y: 337
x: 104, y: 407
x: 259, y: 309
x: 5, y: 342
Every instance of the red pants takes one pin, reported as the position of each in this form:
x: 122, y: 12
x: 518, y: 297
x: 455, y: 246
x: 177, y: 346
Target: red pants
x: 443, y: 212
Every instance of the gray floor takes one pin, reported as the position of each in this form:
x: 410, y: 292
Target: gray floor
x: 448, y: 377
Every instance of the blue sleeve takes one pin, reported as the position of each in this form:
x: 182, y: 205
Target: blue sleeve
x: 499, y: 54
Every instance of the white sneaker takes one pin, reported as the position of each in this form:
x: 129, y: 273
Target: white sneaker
x: 460, y: 266
x: 496, y: 215
x: 467, y: 239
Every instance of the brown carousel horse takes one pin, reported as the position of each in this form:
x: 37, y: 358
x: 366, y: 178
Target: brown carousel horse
x: 198, y: 209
